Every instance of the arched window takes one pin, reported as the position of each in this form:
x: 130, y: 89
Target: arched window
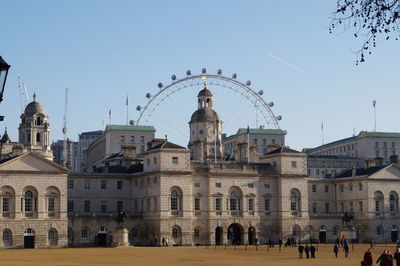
x: 39, y: 121
x: 235, y: 199
x: 28, y: 201
x: 197, y: 232
x: 295, y: 202
x: 393, y: 203
x: 378, y: 198
x: 38, y: 137
x: 6, y: 236
x: 379, y: 231
x: 175, y: 232
x: 84, y: 234
x: 176, y: 199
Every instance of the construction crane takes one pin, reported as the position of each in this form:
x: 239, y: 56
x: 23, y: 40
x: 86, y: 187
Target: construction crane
x: 66, y: 162
x: 23, y: 94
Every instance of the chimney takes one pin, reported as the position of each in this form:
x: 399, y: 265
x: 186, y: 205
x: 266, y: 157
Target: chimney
x: 272, y: 147
x: 394, y: 159
x: 378, y: 161
x: 353, y: 171
x: 369, y: 162
x: 129, y: 151
x: 17, y: 150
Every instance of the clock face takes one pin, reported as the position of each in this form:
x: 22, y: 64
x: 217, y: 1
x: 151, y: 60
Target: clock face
x: 210, y: 132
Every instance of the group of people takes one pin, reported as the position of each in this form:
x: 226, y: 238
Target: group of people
x: 164, y: 241
x: 309, y: 250
x: 341, y: 243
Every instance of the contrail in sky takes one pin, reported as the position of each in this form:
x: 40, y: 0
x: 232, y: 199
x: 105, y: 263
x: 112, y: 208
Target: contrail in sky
x: 284, y: 62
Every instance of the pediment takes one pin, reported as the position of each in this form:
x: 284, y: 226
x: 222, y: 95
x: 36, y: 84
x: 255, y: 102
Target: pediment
x: 250, y: 195
x: 33, y: 163
x: 390, y: 172
x: 218, y: 195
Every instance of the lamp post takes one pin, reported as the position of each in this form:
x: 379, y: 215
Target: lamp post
x: 3, y: 77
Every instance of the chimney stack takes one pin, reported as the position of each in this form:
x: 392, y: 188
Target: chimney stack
x: 394, y: 159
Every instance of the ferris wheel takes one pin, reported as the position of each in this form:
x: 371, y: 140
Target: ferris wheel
x: 261, y: 110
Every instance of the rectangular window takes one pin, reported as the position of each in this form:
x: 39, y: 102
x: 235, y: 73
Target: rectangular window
x: 314, y: 188
x: 196, y: 184
x: 70, y: 206
x: 351, y: 206
x: 266, y: 185
x: 103, y: 184
x: 119, y: 185
x: 294, y: 164
x: 385, y: 144
x: 376, y: 144
x: 70, y: 184
x: 264, y: 142
x: 314, y: 207
x: 122, y: 138
x: 267, y: 205
x: 142, y: 149
x: 50, y: 204
x: 103, y: 206
x: 148, y: 202
x: 342, y: 207
x: 360, y: 188
x: 377, y: 205
x: 148, y: 162
x: 327, y: 207
x: 87, y: 205
x: 197, y: 204
x: 175, y: 160
x: 341, y: 187
x: 255, y: 141
x: 218, y: 204
x: 141, y: 138
x: 154, y: 160
x: 87, y: 184
x: 250, y: 185
x: 377, y: 153
x: 217, y: 184
x: 351, y: 187
x: 393, y: 144
x: 6, y: 204
x: 251, y: 205
x: 317, y: 172
x: 155, y: 204
x: 326, y: 188
x: 132, y: 139
x: 360, y: 206
x: 119, y: 206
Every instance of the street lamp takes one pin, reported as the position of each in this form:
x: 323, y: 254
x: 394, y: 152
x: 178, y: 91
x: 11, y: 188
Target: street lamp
x: 3, y: 77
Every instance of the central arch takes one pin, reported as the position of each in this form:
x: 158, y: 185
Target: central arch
x: 235, y: 234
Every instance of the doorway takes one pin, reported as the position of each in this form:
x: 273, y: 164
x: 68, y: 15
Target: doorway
x: 29, y: 238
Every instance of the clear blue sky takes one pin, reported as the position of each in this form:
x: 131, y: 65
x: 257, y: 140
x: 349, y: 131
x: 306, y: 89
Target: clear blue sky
x: 104, y: 50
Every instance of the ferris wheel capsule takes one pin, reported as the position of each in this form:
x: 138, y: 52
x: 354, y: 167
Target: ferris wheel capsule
x: 248, y: 83
x: 271, y: 104
x: 219, y: 72
x: 173, y: 77
x: 138, y: 108
x: 234, y: 75
x: 148, y: 95
x: 188, y: 72
x: 279, y: 118
x: 204, y: 71
x: 260, y: 92
x: 131, y: 122
x: 160, y: 85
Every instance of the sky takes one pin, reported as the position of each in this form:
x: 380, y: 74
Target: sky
x: 104, y: 51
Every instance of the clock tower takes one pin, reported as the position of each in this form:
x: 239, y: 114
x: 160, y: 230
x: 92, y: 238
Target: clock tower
x: 205, y: 129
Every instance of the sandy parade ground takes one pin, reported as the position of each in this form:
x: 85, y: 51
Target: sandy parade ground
x: 183, y: 256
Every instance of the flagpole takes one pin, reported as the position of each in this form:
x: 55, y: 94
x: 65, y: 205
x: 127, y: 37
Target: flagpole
x: 322, y: 132
x: 127, y: 111
x: 248, y: 144
x: 215, y: 141
x: 374, y: 105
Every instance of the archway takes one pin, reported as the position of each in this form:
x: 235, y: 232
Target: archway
x: 219, y: 236
x: 235, y: 234
x: 322, y: 234
x: 394, y: 233
x: 252, y: 236
x: 102, y: 237
x: 29, y: 238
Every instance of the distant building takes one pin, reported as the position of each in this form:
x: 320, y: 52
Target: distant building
x: 58, y: 152
x: 85, y: 139
x: 328, y: 166
x: 113, y: 139
x: 266, y: 140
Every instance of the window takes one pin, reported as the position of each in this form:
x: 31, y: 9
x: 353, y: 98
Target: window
x: 326, y: 188
x: 360, y: 188
x: 6, y: 204
x: 175, y: 160
x: 103, y: 206
x: 317, y: 172
x: 273, y: 141
x: 87, y: 184
x: 351, y: 206
x: 342, y: 206
x: 393, y: 144
x: 377, y: 205
x: 122, y: 138
x: 70, y: 184
x: 197, y: 232
x: 132, y: 139
x: 385, y: 144
x: 217, y: 184
x: 154, y: 160
x: 327, y: 207
x: 196, y: 184
x: 376, y: 144
x: 255, y: 141
x: 175, y: 200
x: 251, y: 205
x: 267, y: 206
x: 293, y: 164
x: 264, y: 142
x: 314, y: 207
x: 175, y: 232
x: 103, y: 184
x: 84, y: 234
x: 266, y: 185
x: 250, y: 185
x: 155, y: 204
x: 341, y: 187
x: 141, y: 138
x: 70, y: 206
x: 294, y: 201
x: 377, y: 153
x: 6, y: 236
x: 148, y: 162
x: 314, y: 188
x: 120, y: 202
x: 218, y: 204
x: 51, y: 234
x: 379, y: 231
x: 119, y: 185
x: 335, y: 231
x: 234, y: 201
x: 360, y: 206
x: 197, y: 204
x: 28, y: 201
x: 392, y: 203
x: 142, y: 149
x: 50, y: 204
x: 87, y: 205
x: 351, y: 187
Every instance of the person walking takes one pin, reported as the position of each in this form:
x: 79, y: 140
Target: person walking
x: 371, y: 243
x: 312, y: 251
x: 280, y: 244
x: 307, y: 251
x: 346, y: 250
x: 396, y: 256
x: 336, y: 250
x: 385, y: 259
x: 163, y: 241
x: 166, y: 241
x: 367, y: 258
x: 301, y: 250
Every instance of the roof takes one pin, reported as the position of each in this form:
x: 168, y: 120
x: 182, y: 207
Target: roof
x: 204, y: 114
x: 166, y: 145
x: 262, y: 131
x: 282, y: 149
x: 361, y: 171
x: 205, y: 92
x: 130, y: 127
x: 96, y: 132
x: 34, y: 108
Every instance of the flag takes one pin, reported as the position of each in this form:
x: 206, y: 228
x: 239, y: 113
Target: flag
x: 126, y: 100
x: 373, y: 103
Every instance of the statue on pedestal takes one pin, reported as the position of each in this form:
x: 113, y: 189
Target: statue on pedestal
x: 120, y: 219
